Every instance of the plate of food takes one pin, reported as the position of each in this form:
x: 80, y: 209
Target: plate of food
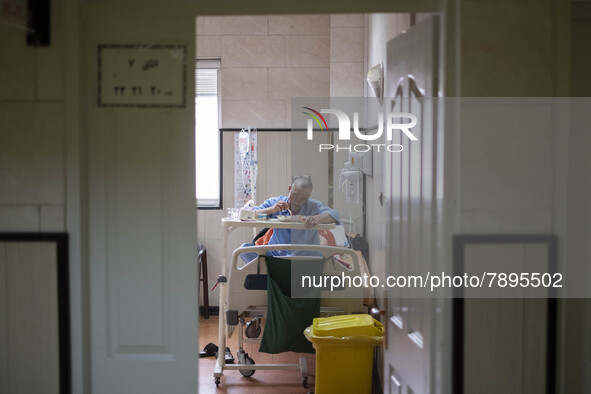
x: 295, y: 218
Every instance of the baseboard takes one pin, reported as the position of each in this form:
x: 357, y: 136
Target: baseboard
x: 213, y: 311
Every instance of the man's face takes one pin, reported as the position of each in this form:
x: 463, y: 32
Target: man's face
x: 298, y: 198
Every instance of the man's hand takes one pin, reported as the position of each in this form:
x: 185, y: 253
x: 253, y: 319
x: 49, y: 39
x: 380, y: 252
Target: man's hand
x: 310, y: 221
x: 280, y: 206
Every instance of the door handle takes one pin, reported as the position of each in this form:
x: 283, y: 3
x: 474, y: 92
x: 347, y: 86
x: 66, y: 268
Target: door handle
x: 377, y: 313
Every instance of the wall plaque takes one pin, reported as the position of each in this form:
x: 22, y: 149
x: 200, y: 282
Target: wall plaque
x: 142, y: 76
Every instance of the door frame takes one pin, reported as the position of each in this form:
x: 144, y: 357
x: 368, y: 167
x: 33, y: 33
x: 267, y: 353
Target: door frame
x: 72, y: 15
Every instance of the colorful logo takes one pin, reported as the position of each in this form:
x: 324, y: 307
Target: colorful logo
x: 386, y: 121
x: 315, y: 116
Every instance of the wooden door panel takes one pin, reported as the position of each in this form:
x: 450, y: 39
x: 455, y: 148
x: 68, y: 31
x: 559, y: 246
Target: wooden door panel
x: 410, y: 83
x: 141, y: 224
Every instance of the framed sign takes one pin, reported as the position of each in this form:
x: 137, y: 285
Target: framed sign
x: 142, y: 76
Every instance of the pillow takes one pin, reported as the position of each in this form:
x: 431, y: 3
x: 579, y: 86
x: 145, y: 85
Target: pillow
x: 339, y: 236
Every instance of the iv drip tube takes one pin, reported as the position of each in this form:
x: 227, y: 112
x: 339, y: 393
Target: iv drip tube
x: 248, y: 162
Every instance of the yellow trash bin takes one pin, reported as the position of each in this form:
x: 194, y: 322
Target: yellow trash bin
x: 344, y: 352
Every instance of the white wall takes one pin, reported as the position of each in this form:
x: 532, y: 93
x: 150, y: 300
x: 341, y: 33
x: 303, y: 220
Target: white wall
x: 33, y: 143
x: 32, y: 137
x: 506, y: 174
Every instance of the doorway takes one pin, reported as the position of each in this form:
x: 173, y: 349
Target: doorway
x: 141, y: 252
x: 266, y: 61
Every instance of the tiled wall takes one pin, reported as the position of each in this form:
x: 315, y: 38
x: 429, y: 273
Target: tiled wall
x: 347, y: 79
x: 347, y: 53
x: 32, y: 138
x: 267, y: 60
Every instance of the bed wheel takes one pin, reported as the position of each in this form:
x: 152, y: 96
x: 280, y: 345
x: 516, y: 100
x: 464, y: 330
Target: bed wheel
x: 304, y: 382
x: 217, y: 382
x: 253, y: 329
x: 247, y: 373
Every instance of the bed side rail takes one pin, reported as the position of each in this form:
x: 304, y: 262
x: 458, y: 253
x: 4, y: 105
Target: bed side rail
x: 326, y: 251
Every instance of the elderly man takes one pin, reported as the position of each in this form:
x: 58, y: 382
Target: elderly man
x: 298, y: 202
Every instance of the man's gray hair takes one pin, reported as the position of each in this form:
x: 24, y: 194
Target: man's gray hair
x: 302, y: 182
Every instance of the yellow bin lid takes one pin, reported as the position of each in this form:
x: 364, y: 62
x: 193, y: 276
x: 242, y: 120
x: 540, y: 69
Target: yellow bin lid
x: 346, y: 326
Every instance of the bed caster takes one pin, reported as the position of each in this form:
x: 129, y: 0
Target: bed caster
x: 244, y: 359
x: 253, y: 328
x: 304, y: 382
x: 217, y: 382
x: 247, y: 373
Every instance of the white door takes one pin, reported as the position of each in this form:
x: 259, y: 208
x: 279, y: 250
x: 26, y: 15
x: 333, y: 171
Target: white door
x: 411, y: 184
x: 141, y: 217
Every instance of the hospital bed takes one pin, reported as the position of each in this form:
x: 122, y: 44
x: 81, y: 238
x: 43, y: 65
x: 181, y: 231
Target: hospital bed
x: 244, y: 308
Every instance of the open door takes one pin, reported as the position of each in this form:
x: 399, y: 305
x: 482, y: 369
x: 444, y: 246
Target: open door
x: 411, y: 184
x: 141, y: 203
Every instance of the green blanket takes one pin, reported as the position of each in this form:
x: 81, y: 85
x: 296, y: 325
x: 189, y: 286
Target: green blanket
x: 288, y: 317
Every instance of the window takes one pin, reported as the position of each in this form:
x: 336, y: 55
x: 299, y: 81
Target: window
x: 208, y: 185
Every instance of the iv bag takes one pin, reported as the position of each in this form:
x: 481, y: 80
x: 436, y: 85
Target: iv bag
x: 243, y: 142
x: 350, y: 185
